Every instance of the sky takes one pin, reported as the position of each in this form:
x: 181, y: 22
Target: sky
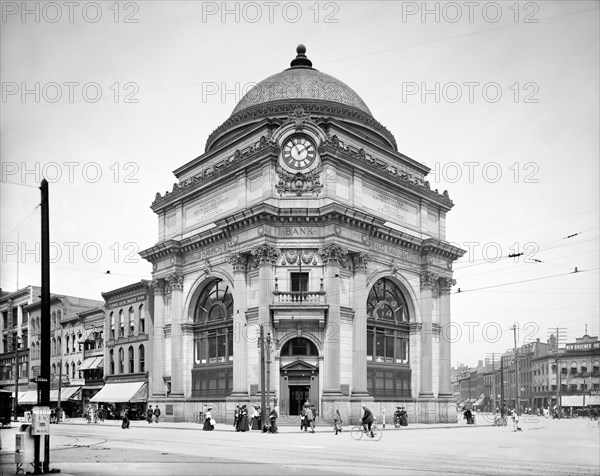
x: 499, y: 99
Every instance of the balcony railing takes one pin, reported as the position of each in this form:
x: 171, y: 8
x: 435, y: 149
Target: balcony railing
x: 299, y: 297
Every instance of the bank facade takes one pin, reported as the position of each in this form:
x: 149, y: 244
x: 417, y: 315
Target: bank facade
x: 303, y: 219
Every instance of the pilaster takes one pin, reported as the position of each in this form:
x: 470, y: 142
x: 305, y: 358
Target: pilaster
x: 175, y: 284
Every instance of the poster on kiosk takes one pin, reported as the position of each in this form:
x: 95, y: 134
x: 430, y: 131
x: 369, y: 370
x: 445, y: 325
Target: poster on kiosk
x: 40, y: 421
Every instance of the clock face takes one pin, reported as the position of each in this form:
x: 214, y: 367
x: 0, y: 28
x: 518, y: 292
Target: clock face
x: 299, y: 152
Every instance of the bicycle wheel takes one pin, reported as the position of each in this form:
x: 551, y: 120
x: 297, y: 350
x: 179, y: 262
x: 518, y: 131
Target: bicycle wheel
x: 356, y: 432
x: 377, y: 434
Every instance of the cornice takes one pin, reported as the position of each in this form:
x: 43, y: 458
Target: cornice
x: 407, y: 180
x: 311, y: 107
x: 140, y: 287
x: 213, y: 171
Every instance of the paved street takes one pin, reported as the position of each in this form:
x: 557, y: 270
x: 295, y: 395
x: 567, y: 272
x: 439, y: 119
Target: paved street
x: 565, y: 447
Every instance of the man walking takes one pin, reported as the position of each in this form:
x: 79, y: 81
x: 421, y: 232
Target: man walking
x: 310, y: 418
x: 149, y: 413
x: 156, y: 414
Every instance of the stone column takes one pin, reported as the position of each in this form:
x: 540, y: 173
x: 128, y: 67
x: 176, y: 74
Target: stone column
x: 359, y: 351
x: 428, y: 281
x: 239, y: 262
x: 445, y: 390
x: 157, y: 365
x: 334, y: 257
x: 175, y: 283
x: 264, y: 257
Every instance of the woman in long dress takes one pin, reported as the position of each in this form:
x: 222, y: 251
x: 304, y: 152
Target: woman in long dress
x: 208, y: 421
x: 256, y: 418
x: 243, y: 420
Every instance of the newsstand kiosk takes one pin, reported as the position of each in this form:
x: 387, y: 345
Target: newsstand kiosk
x: 29, y: 442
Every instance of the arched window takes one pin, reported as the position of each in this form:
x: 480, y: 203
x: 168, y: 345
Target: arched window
x: 130, y: 358
x: 54, y: 320
x: 79, y: 336
x: 121, y: 323
x: 73, y: 343
x: 78, y: 367
x: 67, y: 346
x: 58, y: 345
x: 142, y: 357
x: 142, y: 319
x: 584, y: 367
x: 121, y: 360
x: 112, y: 325
x: 573, y: 367
x: 73, y: 370
x: 215, y: 303
x: 596, y: 366
x: 388, y: 317
x: 131, y: 321
x: 53, y: 346
x: 66, y: 369
x: 59, y: 316
x: 53, y: 369
x: 212, y: 375
x: 111, y: 357
x: 299, y: 346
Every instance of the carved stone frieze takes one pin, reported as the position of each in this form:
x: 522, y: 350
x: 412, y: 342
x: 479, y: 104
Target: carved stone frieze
x: 297, y: 256
x: 335, y: 253
x: 300, y: 183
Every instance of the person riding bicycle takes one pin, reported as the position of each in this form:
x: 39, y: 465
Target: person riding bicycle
x: 367, y: 420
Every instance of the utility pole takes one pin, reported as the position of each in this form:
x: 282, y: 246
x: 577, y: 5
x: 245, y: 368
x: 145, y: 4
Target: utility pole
x: 263, y: 406
x: 517, y: 391
x: 16, y: 373
x: 502, y: 385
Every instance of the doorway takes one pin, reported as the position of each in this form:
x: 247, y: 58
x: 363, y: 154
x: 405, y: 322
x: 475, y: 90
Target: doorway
x: 299, y: 394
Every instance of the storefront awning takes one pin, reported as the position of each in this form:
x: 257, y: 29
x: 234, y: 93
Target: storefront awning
x: 91, y: 363
x: 592, y: 400
x: 122, y: 392
x: 571, y: 401
x: 65, y: 393
x: 28, y: 398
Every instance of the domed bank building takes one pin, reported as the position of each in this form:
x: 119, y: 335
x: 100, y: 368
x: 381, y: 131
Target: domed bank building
x: 302, y: 219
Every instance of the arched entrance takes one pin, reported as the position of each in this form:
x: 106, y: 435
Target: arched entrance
x: 299, y: 375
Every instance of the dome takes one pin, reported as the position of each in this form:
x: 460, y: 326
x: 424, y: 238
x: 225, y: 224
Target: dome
x: 301, y: 81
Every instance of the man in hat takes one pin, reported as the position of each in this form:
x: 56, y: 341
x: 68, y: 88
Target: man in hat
x: 310, y: 417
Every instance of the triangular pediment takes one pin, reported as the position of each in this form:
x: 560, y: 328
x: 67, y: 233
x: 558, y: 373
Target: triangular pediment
x: 299, y: 365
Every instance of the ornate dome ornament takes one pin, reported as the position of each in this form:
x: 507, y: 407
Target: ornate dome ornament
x: 301, y: 81
x: 317, y: 93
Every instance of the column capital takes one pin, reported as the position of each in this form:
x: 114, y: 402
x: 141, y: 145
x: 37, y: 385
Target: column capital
x: 446, y: 284
x: 429, y: 281
x: 263, y: 254
x: 360, y: 260
x: 158, y: 286
x: 239, y: 261
x: 175, y: 281
x: 335, y: 254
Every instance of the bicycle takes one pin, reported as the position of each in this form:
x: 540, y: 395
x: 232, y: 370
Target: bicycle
x: 358, y: 431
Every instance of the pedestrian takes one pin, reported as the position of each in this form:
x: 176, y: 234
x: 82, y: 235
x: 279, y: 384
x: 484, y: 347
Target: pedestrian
x: 156, y: 414
x: 256, y: 418
x: 310, y: 418
x: 303, y: 420
x: 236, y: 416
x: 243, y: 424
x: 515, y: 419
x: 149, y: 414
x: 101, y: 413
x: 125, y: 417
x: 209, y: 424
x: 403, y: 417
x: 273, y: 418
x: 497, y: 417
x: 367, y: 420
x: 337, y: 422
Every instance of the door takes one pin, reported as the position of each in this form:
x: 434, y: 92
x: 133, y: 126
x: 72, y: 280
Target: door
x: 298, y: 395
